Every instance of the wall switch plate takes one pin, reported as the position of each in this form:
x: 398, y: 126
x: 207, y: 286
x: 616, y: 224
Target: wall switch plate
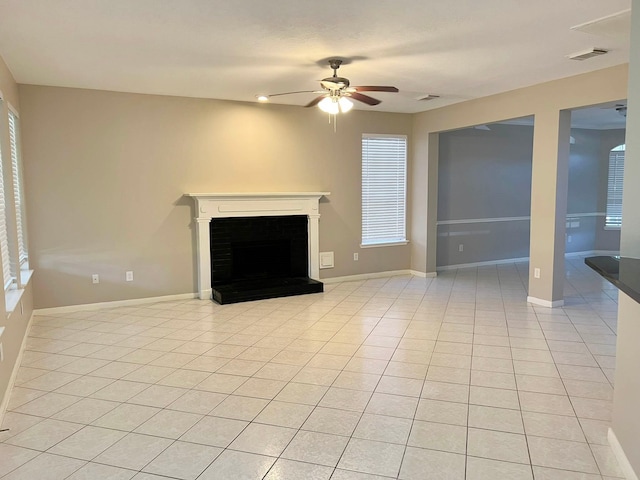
x: 568, y: 238
x: 536, y: 273
x: 355, y: 257
x: 129, y: 276
x: 95, y: 278
x: 326, y: 260
x: 461, y: 248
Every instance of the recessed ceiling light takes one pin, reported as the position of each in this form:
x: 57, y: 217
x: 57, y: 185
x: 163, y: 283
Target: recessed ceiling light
x: 262, y: 98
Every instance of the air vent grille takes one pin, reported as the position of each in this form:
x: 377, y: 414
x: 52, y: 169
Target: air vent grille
x: 586, y: 54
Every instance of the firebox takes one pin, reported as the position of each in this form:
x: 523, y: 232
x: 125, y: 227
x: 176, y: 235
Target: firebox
x: 254, y: 258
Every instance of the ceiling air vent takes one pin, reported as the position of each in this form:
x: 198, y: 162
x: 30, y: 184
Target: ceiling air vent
x: 585, y: 54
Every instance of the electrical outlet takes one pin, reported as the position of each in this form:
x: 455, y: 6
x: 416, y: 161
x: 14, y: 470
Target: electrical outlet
x: 129, y: 276
x: 95, y: 278
x: 461, y: 248
x: 568, y: 238
x: 355, y: 257
x: 536, y: 273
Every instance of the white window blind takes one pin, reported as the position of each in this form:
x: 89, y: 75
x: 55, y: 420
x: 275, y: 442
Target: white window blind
x: 384, y: 189
x: 614, y: 187
x: 16, y: 168
x: 7, y: 279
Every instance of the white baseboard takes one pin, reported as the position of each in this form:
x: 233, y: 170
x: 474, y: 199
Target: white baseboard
x: 588, y: 253
x: 585, y: 253
x: 330, y: 280
x: 14, y: 372
x: 623, y: 461
x: 205, y: 294
x: 416, y: 273
x: 545, y: 303
x: 115, y: 303
x: 483, y: 264
x: 366, y: 276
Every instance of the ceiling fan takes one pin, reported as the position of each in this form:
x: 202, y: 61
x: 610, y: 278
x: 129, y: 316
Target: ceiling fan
x: 621, y: 108
x: 336, y: 92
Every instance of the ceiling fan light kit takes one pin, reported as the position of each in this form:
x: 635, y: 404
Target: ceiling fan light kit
x: 335, y: 105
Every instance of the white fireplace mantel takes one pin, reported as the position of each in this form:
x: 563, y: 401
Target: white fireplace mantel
x: 224, y: 205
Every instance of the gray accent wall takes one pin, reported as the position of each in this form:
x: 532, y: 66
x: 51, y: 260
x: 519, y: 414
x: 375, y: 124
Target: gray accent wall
x: 484, y: 174
x: 484, y: 193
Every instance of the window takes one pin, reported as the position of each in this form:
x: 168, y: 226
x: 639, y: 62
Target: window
x: 384, y: 189
x: 7, y: 278
x: 613, y: 218
x: 13, y: 246
x: 18, y: 197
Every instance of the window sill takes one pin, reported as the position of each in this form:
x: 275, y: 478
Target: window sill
x: 387, y: 244
x: 13, y: 296
x: 612, y: 228
x: 25, y: 276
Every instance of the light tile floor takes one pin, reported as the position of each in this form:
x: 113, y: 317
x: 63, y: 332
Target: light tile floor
x: 448, y: 378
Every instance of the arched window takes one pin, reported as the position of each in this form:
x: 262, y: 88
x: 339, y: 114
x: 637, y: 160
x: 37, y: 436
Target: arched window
x: 614, y: 187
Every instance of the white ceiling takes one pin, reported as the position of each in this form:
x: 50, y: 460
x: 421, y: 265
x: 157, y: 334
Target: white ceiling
x: 236, y: 49
x: 601, y: 117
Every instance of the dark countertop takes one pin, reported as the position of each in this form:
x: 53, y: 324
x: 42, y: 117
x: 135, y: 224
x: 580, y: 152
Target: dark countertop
x: 623, y: 272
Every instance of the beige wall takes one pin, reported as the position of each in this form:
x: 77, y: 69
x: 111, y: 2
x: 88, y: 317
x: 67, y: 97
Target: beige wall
x: 105, y: 173
x: 16, y: 322
x: 545, y: 100
x: 15, y: 331
x: 8, y: 85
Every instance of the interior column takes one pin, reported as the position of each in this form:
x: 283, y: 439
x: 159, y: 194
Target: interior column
x: 549, y: 184
x: 432, y: 202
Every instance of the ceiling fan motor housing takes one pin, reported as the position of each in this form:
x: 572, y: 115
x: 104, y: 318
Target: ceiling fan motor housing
x: 334, y: 83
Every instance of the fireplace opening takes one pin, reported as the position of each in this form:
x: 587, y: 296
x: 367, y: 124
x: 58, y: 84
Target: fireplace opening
x: 261, y: 259
x: 253, y: 258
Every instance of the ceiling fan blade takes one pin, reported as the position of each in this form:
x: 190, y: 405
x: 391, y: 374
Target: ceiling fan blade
x: 364, y: 98
x: 291, y: 93
x: 315, y: 101
x: 378, y: 88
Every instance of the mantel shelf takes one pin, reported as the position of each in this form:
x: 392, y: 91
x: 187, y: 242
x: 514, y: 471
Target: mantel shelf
x: 250, y: 195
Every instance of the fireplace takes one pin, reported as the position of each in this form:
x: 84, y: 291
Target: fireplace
x: 255, y: 246
x: 260, y: 257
